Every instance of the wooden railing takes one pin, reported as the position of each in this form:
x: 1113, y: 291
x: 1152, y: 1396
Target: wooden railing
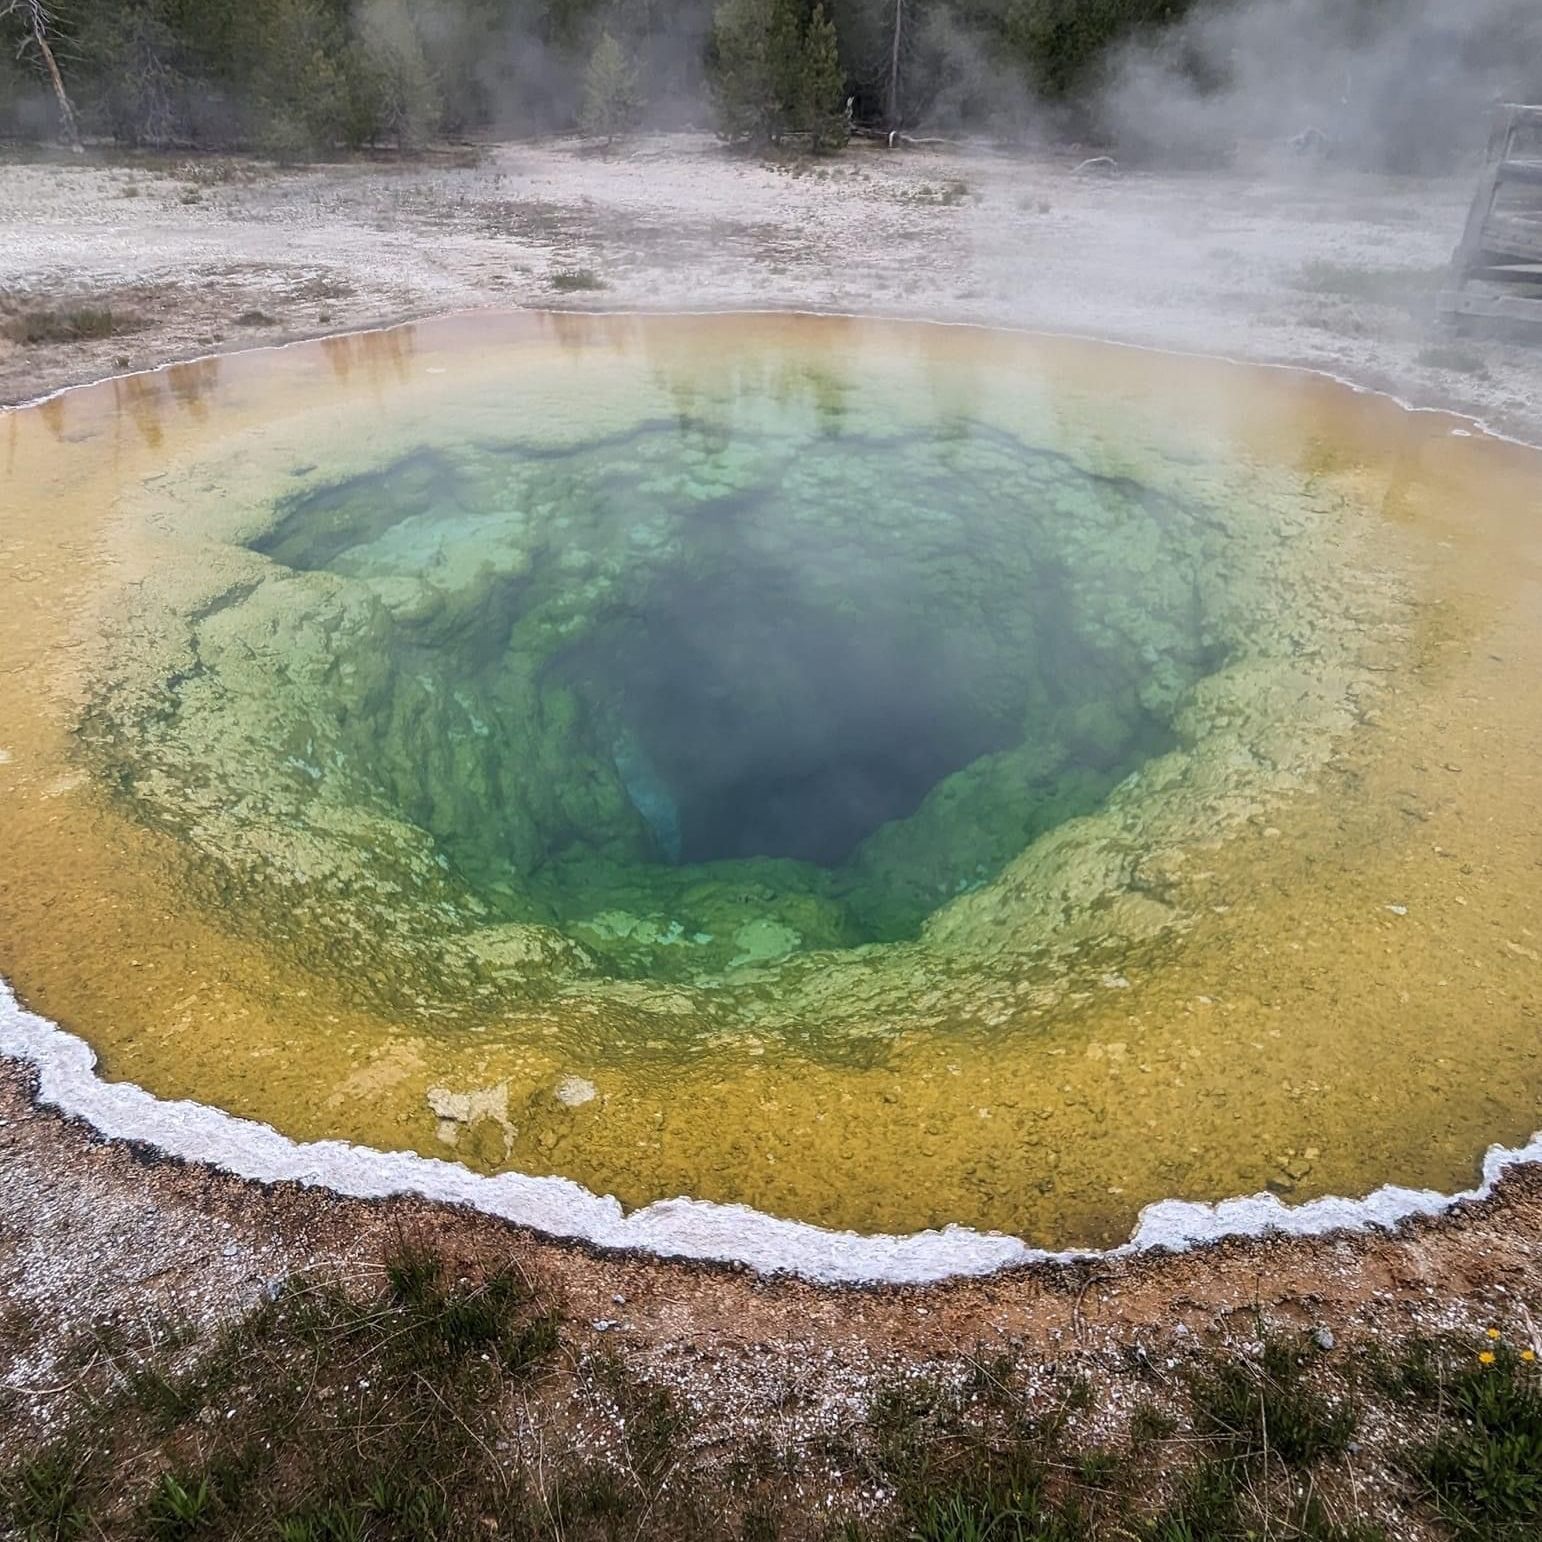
x: 1501, y: 246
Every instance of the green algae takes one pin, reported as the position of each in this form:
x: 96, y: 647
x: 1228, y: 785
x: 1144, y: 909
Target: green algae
x: 833, y: 694
x: 777, y: 709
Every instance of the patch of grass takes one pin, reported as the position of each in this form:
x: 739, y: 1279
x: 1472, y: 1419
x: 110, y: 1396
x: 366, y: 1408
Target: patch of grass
x: 1079, y: 1394
x: 168, y: 1398
x: 575, y: 280
x: 178, y: 1507
x: 414, y: 1412
x: 435, y: 1321
x: 386, y: 1511
x: 655, y: 1424
x: 759, y: 1523
x: 1483, y: 1470
x: 72, y: 324
x: 1218, y: 1501
x: 41, y: 1497
x: 999, y: 1512
x: 1149, y: 1424
x: 321, y: 1417
x: 256, y: 318
x: 1453, y: 356
x: 1207, y: 1506
x: 1266, y: 1405
x: 413, y: 1276
x: 969, y: 1461
x: 591, y: 1491
x: 1374, y: 285
x: 457, y: 1320
x: 1413, y: 1372
x: 1099, y: 1467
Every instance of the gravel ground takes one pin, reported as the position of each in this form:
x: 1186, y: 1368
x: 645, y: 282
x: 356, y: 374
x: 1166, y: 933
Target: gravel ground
x: 1293, y: 264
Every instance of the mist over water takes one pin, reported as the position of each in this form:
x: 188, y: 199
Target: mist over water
x: 1399, y: 85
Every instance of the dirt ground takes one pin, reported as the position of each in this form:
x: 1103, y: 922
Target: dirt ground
x: 1298, y: 265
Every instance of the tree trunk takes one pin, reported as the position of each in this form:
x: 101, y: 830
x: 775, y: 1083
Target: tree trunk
x: 894, y: 65
x: 39, y: 21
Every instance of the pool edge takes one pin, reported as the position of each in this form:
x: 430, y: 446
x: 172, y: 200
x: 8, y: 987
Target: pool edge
x: 683, y: 1229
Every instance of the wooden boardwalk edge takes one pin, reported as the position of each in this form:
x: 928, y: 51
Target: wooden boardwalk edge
x: 1501, y: 245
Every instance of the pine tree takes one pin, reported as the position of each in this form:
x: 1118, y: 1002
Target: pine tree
x: 776, y: 71
x: 394, y: 84
x: 612, y: 103
x: 821, y: 97
x: 740, y: 65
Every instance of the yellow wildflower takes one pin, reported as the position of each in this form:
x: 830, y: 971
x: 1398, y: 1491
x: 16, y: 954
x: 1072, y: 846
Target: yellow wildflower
x: 1486, y: 1358
x: 1493, y: 1333
x: 1528, y: 1355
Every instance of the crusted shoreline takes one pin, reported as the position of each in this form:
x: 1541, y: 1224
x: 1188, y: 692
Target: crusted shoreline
x: 674, y: 1229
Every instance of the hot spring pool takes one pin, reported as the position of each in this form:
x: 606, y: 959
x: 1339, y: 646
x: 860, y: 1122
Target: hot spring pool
x: 886, y: 775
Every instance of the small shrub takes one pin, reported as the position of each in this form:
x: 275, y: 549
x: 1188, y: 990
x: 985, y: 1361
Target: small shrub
x: 1375, y: 285
x: 567, y: 280
x: 1484, y: 1469
x: 76, y: 324
x: 1453, y: 356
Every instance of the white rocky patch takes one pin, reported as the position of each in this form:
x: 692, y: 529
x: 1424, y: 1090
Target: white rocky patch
x: 457, y: 1111
x: 575, y: 1091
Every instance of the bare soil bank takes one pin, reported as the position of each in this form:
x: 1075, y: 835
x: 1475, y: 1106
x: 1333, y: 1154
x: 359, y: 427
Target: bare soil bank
x: 1330, y: 271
